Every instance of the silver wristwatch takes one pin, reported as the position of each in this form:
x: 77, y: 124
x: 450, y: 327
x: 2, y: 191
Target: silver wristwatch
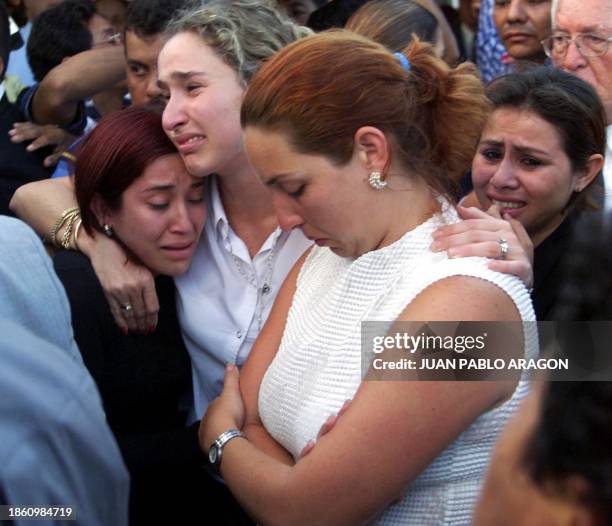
x: 215, y: 451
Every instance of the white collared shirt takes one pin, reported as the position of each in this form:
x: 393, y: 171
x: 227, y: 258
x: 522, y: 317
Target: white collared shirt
x: 218, y: 309
x: 607, y: 170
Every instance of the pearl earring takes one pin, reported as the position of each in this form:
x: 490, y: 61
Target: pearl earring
x: 108, y: 230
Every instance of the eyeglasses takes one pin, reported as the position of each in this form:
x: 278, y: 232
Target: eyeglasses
x: 588, y: 45
x: 109, y: 38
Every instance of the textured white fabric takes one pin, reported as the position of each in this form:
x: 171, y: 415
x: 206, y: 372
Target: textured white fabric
x: 218, y: 310
x: 318, y: 364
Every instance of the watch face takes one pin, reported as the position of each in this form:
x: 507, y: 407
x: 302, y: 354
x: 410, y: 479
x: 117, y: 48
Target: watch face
x: 213, y: 454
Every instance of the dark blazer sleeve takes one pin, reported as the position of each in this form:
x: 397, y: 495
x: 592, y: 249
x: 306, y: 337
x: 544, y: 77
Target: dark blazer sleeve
x: 143, y: 379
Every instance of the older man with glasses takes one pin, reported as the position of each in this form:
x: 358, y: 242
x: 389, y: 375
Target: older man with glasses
x: 581, y: 44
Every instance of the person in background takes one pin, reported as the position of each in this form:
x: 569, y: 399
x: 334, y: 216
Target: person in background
x: 337, y: 13
x: 522, y: 25
x: 113, y: 11
x: 552, y: 464
x: 144, y: 23
x: 56, y: 447
x: 394, y: 23
x: 300, y: 10
x: 144, y: 27
x: 537, y: 162
x: 580, y: 45
x: 20, y: 68
x: 491, y: 55
x: 18, y: 166
x: 73, y: 26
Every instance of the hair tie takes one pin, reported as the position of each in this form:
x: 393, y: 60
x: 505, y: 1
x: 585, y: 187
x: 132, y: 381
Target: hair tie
x: 403, y: 60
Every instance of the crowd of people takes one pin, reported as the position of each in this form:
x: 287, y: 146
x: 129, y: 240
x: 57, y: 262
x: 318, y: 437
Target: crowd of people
x: 231, y: 193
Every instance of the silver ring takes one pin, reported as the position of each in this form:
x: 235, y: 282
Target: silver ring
x: 503, y: 247
x: 127, y: 307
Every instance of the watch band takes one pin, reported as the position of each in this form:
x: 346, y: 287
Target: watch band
x: 226, y: 436
x: 215, y: 452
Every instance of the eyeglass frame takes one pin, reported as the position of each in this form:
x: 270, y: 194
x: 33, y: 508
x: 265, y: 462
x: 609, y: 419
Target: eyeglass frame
x: 569, y: 39
x: 112, y: 39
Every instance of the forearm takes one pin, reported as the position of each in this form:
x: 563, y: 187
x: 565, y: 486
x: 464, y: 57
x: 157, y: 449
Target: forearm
x: 259, y: 436
x: 77, y: 78
x: 40, y: 203
x: 259, y: 483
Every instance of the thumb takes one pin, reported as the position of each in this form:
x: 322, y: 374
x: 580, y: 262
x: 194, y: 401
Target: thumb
x: 231, y: 381
x: 493, y: 211
x: 470, y: 212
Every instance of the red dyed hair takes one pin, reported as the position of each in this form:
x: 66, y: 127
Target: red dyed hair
x: 114, y: 155
x: 321, y: 89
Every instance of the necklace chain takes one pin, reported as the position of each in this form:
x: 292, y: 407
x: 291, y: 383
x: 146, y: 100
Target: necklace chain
x: 251, y: 279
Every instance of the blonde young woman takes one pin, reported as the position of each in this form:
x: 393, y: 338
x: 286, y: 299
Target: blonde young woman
x: 211, y: 52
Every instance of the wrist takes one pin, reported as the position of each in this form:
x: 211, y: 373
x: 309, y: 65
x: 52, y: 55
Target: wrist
x: 86, y: 243
x: 215, y: 451
x: 213, y: 431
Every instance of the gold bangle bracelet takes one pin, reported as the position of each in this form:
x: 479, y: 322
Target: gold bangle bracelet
x: 66, y: 215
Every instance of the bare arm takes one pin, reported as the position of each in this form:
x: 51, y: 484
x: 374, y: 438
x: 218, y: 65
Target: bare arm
x: 262, y: 354
x: 328, y: 485
x: 40, y: 204
x: 77, y: 78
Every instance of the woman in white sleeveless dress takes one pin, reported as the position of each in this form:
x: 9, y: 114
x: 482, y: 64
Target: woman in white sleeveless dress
x: 359, y: 148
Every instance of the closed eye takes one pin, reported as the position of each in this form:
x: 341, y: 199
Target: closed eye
x: 159, y: 206
x: 296, y: 193
x: 192, y: 88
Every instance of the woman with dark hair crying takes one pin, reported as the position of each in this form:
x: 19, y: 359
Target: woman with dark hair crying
x: 132, y: 185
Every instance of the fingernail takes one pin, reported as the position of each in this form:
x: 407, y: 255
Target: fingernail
x: 229, y: 367
x: 29, y: 148
x: 452, y: 253
x: 435, y: 246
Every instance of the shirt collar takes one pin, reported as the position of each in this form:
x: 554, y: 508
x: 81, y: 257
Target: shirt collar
x: 609, y: 139
x: 2, y: 89
x: 216, y: 210
x: 219, y: 218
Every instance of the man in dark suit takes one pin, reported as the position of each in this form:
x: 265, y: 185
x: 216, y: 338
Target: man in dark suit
x: 17, y: 165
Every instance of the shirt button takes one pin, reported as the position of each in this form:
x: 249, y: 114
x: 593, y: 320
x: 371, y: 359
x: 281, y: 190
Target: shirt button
x: 238, y: 334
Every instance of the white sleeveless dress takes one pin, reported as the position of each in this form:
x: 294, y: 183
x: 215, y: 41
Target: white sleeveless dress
x: 318, y: 363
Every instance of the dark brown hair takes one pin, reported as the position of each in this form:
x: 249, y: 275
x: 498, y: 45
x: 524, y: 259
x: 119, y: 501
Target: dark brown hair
x: 568, y: 103
x: 393, y: 23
